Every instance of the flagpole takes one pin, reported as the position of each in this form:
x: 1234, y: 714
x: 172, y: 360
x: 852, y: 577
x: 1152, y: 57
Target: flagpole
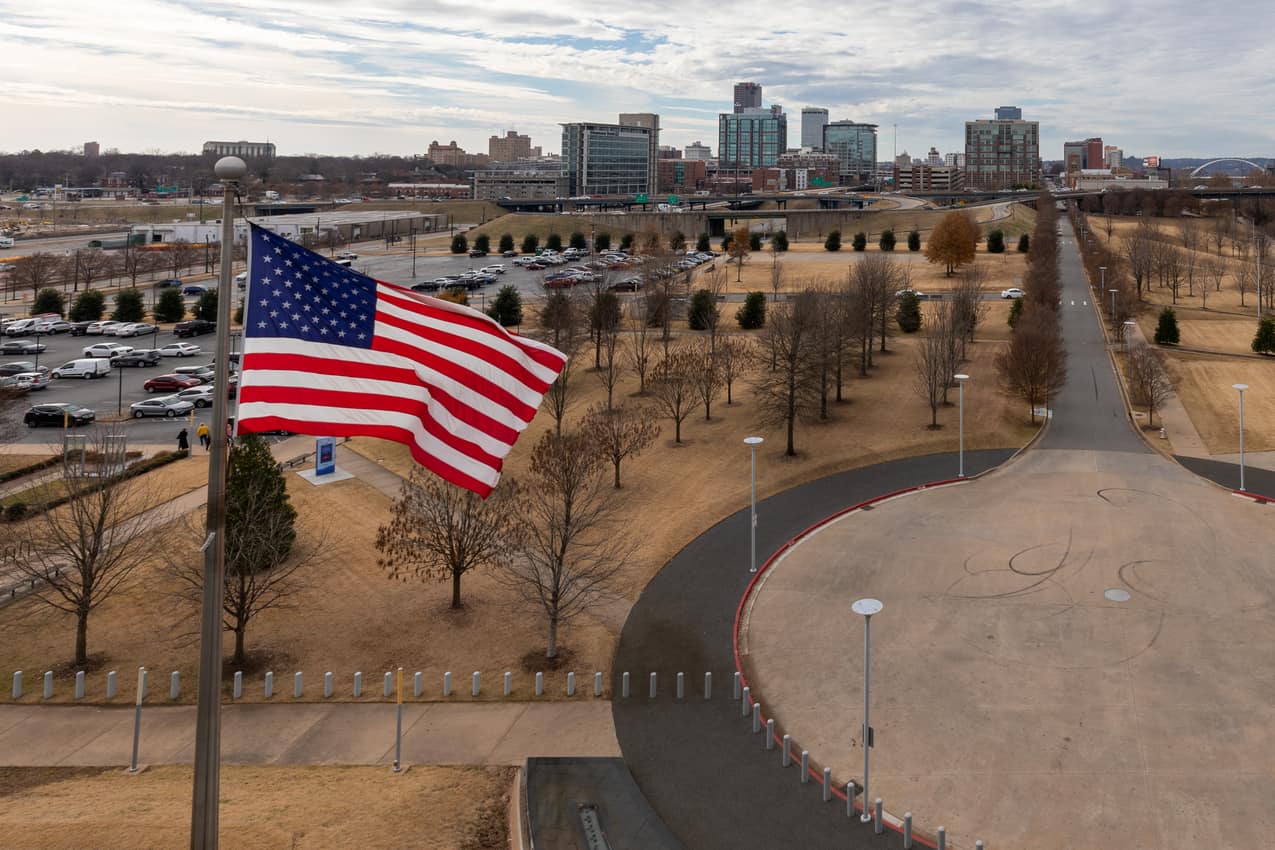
x: 203, y: 813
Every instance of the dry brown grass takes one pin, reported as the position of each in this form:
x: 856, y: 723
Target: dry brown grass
x: 432, y: 808
x: 1204, y: 382
x: 10, y: 462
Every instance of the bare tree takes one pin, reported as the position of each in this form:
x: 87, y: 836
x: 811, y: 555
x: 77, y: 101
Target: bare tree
x: 570, y: 543
x: 1172, y: 268
x: 968, y: 306
x: 933, y: 372
x: 85, y: 551
x: 610, y: 363
x: 1220, y: 232
x: 438, y: 531
x: 1149, y: 384
x: 566, y: 334
x: 36, y: 271
x: 640, y: 352
x: 673, y: 386
x: 715, y: 282
x: 733, y: 354
x: 790, y: 391
x: 739, y: 249
x: 776, y: 274
x: 621, y: 432
x: 1140, y: 252
x: 180, y: 256
x: 707, y: 377
x: 133, y: 263
x: 88, y: 265
x: 1215, y: 270
x: 603, y: 308
x: 1034, y: 364
x: 11, y: 404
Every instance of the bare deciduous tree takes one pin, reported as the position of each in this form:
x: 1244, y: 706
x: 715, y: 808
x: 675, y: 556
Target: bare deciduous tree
x: 570, y: 549
x: 673, y: 385
x: 1149, y: 384
x: 1140, y: 252
x: 88, y: 265
x: 707, y: 377
x: 640, y: 352
x: 610, y: 363
x: 1034, y: 364
x: 733, y: 354
x: 438, y: 531
x: 790, y: 391
x: 621, y: 432
x: 933, y: 372
x: 36, y: 271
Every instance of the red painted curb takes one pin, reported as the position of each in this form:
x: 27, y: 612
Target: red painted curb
x: 839, y: 793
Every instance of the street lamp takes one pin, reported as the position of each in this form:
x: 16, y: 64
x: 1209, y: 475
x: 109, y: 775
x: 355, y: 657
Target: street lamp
x: 1241, y: 388
x: 1128, y: 334
x: 960, y: 382
x: 866, y: 608
x: 207, y: 774
x: 753, y: 443
x: 1102, y: 277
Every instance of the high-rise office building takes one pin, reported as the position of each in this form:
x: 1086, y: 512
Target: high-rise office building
x: 609, y: 159
x: 1112, y: 156
x: 1002, y: 153
x: 649, y: 121
x: 510, y: 147
x: 753, y: 138
x: 1093, y: 153
x: 92, y: 150
x: 697, y: 150
x: 855, y: 146
x: 813, y: 120
x: 1009, y: 113
x: 747, y: 96
x: 934, y: 158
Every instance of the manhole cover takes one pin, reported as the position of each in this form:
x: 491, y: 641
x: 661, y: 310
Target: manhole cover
x: 1115, y: 594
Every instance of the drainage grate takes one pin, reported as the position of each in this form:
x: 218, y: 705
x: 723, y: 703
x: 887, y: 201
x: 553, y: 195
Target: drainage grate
x: 591, y: 823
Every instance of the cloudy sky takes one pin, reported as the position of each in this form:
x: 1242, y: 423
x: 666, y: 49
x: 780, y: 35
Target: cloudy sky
x: 345, y: 76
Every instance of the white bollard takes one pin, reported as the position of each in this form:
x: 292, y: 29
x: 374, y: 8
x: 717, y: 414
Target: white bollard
x: 447, y: 684
x: 805, y: 766
x: 571, y: 684
x: 418, y: 684
x: 238, y: 691
x: 48, y: 684
x: 540, y: 683
x: 756, y: 717
x: 296, y: 685
x: 110, y: 685
x: 907, y: 831
x: 978, y: 845
x: 174, y: 685
x: 624, y: 687
x: 681, y: 685
x: 358, y: 684
x: 770, y: 734
x: 652, y: 688
x: 827, y: 784
x: 745, y: 702
x: 708, y: 686
x: 327, y: 684
x: 850, y: 799
x: 737, y: 683
x: 17, y: 684
x: 942, y: 838
x: 787, y: 750
x: 79, y: 685
x: 476, y: 687
x: 269, y: 684
x: 389, y: 683
x: 878, y: 825
x: 597, y: 684
x: 509, y: 683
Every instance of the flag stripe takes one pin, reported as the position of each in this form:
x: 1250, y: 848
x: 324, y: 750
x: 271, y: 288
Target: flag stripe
x: 351, y: 419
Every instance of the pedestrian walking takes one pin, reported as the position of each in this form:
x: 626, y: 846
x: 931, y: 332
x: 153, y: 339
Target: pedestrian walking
x: 183, y: 444
x: 205, y: 439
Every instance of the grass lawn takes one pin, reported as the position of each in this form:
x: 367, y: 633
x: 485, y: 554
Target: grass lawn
x: 1204, y: 382
x: 262, y: 808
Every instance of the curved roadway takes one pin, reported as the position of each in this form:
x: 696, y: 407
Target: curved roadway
x: 697, y: 761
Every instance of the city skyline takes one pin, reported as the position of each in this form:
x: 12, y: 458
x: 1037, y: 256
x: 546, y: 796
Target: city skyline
x: 146, y: 75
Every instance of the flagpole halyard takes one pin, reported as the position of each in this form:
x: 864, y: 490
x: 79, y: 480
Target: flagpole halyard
x: 204, y: 811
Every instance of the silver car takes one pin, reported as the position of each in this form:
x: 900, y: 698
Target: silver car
x: 169, y: 406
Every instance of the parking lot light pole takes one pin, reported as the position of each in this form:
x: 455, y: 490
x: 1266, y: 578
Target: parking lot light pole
x: 1128, y: 334
x: 204, y: 812
x: 1241, y: 388
x: 753, y: 443
x: 866, y: 608
x: 960, y: 381
x: 1113, y: 306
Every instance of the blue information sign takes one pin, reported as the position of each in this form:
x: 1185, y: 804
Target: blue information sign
x: 324, y: 455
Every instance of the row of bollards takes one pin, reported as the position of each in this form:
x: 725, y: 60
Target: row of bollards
x: 749, y: 708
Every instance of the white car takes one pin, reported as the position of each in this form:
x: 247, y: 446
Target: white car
x: 168, y: 406
x: 497, y: 268
x: 106, y: 349
x: 200, y: 396
x: 51, y: 326
x: 1013, y: 292
x: 104, y: 327
x: 31, y: 380
x: 135, y: 329
x: 180, y: 349
x: 241, y: 280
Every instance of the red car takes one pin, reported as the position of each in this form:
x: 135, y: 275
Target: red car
x: 170, y: 383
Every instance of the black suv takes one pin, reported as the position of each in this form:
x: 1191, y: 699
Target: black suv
x: 58, y: 415
x: 194, y: 327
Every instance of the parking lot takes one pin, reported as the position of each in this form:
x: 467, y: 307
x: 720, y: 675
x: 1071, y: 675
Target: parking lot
x: 111, y: 396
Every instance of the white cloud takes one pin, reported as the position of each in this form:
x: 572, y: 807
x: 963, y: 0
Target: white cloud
x: 357, y: 77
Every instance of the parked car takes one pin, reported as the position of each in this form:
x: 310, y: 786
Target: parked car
x: 347, y: 255
x: 106, y: 349
x: 101, y: 327
x: 476, y: 253
x: 145, y: 357
x: 919, y: 295
x: 193, y: 289
x: 627, y: 284
x: 60, y: 415
x: 1013, y: 292
x: 31, y: 380
x: 495, y: 268
x: 427, y: 286
x: 167, y: 282
x: 83, y: 367
x: 169, y: 406
x: 17, y: 367
x: 509, y: 253
x: 194, y: 327
x: 22, y: 346
x: 51, y: 326
x: 180, y: 349
x: 200, y: 396
x: 136, y: 329
x: 241, y: 280
x: 80, y: 328
x: 170, y: 383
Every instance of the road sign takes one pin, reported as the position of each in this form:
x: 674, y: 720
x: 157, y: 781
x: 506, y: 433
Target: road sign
x: 641, y: 198
x: 673, y: 199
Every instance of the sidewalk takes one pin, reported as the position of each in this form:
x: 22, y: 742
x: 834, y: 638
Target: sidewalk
x: 1177, y: 424
x: 310, y: 733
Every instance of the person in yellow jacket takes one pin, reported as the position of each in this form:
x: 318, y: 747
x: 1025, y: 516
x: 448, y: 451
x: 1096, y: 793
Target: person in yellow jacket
x: 202, y: 433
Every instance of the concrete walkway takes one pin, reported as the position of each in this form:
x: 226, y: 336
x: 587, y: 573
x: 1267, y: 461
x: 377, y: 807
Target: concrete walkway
x: 310, y: 733
x: 1183, y: 438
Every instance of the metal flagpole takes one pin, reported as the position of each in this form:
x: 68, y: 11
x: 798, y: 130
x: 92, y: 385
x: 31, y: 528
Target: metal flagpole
x: 203, y: 814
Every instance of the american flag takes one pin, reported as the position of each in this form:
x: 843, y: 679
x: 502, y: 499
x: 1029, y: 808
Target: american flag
x: 331, y: 352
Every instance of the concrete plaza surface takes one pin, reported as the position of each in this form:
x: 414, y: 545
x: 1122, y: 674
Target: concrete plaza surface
x: 310, y: 733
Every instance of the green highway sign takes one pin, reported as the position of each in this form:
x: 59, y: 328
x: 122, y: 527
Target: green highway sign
x: 673, y: 199
x: 641, y: 199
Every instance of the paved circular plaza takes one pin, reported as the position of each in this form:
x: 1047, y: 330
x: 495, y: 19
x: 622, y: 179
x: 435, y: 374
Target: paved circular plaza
x: 1012, y: 699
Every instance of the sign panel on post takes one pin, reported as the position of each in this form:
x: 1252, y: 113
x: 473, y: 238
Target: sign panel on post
x: 324, y: 455
x: 640, y: 197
